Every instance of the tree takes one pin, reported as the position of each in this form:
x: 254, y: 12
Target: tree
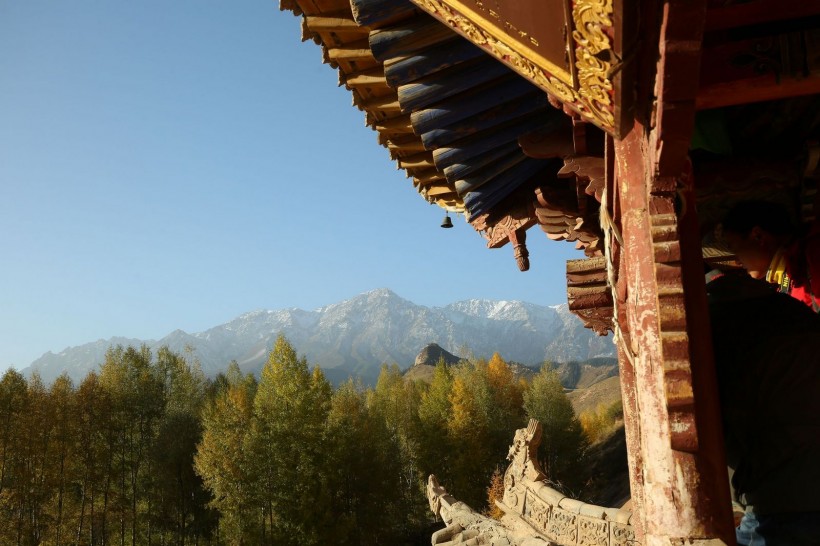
x: 435, y: 450
x: 508, y: 413
x: 359, y: 471
x: 222, y: 460
x: 495, y: 492
x: 469, y: 432
x: 34, y: 474
x: 562, y: 443
x: 395, y: 403
x: 14, y: 404
x: 285, y: 442
x: 137, y: 395
x: 64, y: 423
x: 94, y: 463
x: 178, y: 495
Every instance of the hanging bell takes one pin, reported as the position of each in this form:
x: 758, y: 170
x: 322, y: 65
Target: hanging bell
x: 446, y: 223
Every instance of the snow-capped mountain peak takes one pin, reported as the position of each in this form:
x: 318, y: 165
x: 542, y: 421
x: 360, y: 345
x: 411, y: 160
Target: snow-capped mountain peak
x: 359, y: 334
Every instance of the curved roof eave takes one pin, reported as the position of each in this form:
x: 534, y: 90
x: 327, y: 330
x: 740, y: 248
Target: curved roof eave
x: 450, y: 115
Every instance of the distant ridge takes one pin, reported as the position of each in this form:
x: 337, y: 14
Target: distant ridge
x: 356, y: 336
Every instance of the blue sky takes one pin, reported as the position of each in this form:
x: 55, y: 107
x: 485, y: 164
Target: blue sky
x: 172, y: 165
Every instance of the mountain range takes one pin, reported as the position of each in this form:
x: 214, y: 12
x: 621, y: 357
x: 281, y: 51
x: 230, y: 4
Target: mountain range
x: 358, y: 335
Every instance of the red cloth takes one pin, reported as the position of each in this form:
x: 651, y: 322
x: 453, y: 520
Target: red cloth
x: 803, y: 269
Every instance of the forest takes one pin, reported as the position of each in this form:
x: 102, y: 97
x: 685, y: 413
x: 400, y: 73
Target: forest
x: 148, y: 451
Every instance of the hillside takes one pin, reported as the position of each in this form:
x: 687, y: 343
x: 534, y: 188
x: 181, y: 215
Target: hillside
x: 604, y: 392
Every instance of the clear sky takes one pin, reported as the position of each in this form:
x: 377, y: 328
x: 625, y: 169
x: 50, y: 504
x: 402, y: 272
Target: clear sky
x: 171, y: 165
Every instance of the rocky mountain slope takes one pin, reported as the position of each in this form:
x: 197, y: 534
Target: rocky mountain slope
x: 356, y: 336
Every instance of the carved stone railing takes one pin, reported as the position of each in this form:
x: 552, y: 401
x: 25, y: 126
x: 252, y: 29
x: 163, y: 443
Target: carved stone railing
x: 534, y: 513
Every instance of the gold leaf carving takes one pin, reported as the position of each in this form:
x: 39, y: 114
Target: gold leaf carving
x: 590, y: 18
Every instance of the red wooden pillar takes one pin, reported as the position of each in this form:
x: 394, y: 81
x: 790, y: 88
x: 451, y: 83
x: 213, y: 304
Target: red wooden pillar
x: 677, y: 462
x: 677, y: 468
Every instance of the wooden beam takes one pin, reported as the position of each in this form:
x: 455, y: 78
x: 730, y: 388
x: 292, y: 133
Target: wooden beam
x: 435, y: 190
x: 376, y: 13
x: 402, y: 70
x: 746, y: 68
x: 506, y: 111
x: 373, y: 76
x: 478, y: 145
x: 458, y: 171
x: 437, y: 87
x: 317, y: 23
x: 482, y: 176
x: 412, y: 146
x: 395, y: 125
x: 469, y: 103
x: 421, y: 181
x: 419, y: 161
x: 407, y: 39
x: 588, y: 293
x: 428, y: 177
x: 494, y: 191
x: 353, y: 51
x: 758, y: 12
x: 388, y: 103
x: 762, y: 88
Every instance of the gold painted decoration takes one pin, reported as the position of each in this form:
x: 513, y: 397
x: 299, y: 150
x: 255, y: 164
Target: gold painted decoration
x: 590, y: 18
x: 581, y: 79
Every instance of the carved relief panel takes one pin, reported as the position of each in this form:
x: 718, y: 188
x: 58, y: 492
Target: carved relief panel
x: 572, y: 49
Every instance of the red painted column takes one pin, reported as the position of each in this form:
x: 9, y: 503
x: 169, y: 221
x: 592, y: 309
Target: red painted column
x: 677, y: 468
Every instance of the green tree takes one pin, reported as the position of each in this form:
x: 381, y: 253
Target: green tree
x: 14, y: 405
x: 285, y: 441
x: 435, y: 451
x: 64, y: 428
x: 178, y: 494
x: 221, y: 459
x: 94, y: 463
x: 562, y: 443
x: 395, y: 402
x: 137, y: 395
x: 34, y: 473
x: 356, y: 473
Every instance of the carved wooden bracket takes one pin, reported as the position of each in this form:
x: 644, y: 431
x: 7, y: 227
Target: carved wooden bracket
x: 510, y: 228
x: 589, y: 174
x: 589, y: 295
x: 561, y: 219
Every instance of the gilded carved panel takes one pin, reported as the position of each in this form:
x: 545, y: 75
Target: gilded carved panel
x: 566, y: 47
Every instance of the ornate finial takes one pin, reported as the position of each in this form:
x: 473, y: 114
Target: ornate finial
x: 435, y: 494
x: 523, y: 455
x: 522, y: 256
x: 518, y: 238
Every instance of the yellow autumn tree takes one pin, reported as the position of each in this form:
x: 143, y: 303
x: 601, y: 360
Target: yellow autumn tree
x: 469, y: 428
x: 507, y: 393
x: 222, y: 460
